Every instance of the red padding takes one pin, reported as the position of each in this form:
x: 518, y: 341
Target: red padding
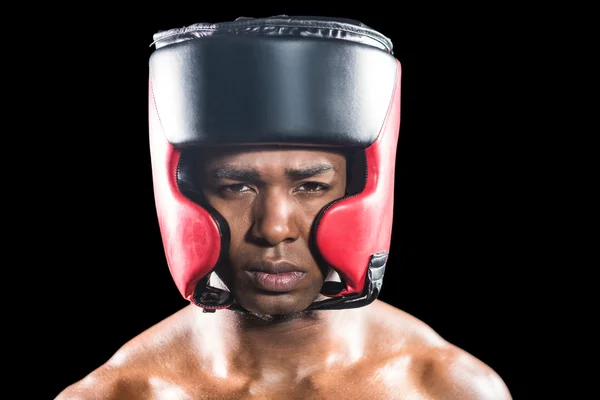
x: 353, y: 229
x: 190, y: 235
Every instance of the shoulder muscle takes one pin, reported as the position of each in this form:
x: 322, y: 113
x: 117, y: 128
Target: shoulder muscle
x: 105, y: 383
x: 456, y: 374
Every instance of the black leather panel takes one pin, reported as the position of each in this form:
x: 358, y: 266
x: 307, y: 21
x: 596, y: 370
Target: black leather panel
x: 221, y: 90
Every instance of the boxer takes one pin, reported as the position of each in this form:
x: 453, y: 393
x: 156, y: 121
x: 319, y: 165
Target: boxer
x: 273, y: 145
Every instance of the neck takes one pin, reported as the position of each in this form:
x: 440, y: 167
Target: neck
x: 289, y: 347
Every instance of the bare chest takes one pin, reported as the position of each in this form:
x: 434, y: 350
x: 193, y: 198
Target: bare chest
x: 387, y: 383
x: 302, y: 391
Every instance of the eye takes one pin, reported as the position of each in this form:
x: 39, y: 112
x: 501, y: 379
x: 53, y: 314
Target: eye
x: 313, y: 187
x: 235, y: 188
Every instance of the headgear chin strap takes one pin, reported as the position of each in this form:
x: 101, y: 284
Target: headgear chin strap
x: 288, y: 80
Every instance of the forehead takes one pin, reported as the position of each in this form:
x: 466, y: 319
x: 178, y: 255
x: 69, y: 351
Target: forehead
x: 273, y: 156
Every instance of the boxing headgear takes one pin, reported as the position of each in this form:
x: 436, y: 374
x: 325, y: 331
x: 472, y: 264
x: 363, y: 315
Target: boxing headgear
x: 289, y: 80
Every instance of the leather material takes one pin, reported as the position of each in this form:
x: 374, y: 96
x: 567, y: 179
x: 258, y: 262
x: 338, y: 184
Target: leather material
x: 283, y: 90
x: 191, y: 236
x: 224, y: 90
x: 370, y: 292
x: 377, y: 269
x: 351, y: 230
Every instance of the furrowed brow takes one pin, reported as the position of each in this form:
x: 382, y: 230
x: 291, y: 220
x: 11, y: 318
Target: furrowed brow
x: 308, y: 172
x: 235, y: 174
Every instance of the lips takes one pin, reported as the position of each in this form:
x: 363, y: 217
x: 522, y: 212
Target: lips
x: 277, y: 277
x: 273, y: 267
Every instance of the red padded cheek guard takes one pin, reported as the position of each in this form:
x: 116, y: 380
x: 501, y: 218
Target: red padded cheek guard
x: 351, y: 230
x: 190, y: 236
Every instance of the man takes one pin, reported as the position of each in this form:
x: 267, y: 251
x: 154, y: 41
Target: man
x: 273, y: 147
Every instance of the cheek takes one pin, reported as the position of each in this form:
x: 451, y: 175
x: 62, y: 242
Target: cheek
x: 239, y: 225
x: 239, y: 217
x: 305, y: 215
x: 237, y: 213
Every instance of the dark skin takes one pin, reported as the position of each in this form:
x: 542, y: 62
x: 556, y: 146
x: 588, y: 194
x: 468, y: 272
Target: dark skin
x: 278, y: 351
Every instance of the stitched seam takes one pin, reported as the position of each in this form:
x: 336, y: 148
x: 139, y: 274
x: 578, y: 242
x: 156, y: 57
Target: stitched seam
x: 216, y: 28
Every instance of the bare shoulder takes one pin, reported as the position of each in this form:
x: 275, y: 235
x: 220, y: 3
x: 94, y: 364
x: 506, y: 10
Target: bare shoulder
x: 452, y: 373
x: 439, y: 369
x: 105, y: 383
x: 126, y: 374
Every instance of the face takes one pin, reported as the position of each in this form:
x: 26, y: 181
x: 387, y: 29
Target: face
x: 270, y: 198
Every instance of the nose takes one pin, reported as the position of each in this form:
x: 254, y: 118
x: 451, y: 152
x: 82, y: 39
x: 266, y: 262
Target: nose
x: 275, y: 218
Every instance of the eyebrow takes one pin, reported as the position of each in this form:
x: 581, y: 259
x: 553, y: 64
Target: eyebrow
x: 236, y: 174
x: 308, y: 172
x: 250, y: 174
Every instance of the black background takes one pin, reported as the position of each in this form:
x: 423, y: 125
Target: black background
x: 460, y: 242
